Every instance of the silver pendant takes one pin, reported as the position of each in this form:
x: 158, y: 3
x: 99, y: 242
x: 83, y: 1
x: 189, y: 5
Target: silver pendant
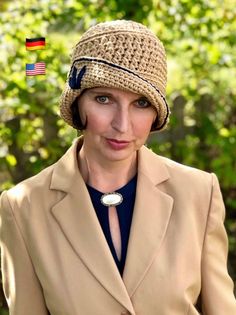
x: 111, y: 199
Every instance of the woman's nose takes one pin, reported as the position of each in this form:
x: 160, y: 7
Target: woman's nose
x: 121, y: 120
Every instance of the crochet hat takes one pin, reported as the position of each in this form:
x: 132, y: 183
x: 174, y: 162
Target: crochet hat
x: 118, y: 54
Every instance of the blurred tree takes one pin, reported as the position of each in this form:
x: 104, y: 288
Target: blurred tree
x: 200, y: 40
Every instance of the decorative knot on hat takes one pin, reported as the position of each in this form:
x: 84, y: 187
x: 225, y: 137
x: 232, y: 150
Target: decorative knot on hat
x: 75, y: 77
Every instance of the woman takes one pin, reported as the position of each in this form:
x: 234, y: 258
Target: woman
x: 112, y: 228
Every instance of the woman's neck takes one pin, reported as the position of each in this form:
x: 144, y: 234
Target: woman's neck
x: 106, y: 177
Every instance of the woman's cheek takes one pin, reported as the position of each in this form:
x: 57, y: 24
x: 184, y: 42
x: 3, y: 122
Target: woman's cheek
x: 96, y: 123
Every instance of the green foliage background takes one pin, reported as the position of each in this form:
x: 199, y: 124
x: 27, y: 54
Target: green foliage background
x: 200, y: 39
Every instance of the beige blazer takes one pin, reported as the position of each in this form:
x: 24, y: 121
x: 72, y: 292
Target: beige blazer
x: 55, y: 258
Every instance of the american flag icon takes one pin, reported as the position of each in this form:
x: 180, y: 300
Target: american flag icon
x: 35, y: 68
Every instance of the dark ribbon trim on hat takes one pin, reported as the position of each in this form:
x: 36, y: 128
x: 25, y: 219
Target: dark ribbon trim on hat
x: 75, y: 79
x: 129, y: 71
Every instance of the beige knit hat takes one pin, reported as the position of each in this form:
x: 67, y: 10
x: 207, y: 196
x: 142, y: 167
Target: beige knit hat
x: 119, y: 54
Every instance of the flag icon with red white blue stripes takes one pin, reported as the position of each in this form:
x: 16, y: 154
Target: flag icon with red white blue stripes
x: 35, y: 68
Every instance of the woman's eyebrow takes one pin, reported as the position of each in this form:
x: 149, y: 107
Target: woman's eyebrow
x: 100, y: 92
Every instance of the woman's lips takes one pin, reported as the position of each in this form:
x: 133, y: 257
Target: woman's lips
x: 117, y: 144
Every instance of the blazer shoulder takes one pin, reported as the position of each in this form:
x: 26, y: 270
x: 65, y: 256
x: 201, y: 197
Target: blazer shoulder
x: 184, y: 170
x: 38, y: 188
x: 29, y: 187
x: 154, y: 165
x: 191, y: 180
x: 176, y: 177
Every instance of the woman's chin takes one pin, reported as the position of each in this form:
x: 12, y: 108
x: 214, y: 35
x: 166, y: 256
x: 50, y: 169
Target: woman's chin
x: 113, y: 155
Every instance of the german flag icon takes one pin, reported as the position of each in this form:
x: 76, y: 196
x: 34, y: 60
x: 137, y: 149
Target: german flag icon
x: 35, y: 43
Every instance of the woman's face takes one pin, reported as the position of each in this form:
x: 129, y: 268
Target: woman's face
x: 118, y: 122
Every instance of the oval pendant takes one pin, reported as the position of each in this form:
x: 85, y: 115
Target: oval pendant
x: 111, y: 199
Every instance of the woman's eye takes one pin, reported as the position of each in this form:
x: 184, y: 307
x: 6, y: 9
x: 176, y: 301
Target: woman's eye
x: 143, y: 102
x: 102, y: 99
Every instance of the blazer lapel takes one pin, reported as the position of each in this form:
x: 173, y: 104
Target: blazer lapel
x: 77, y: 219
x: 151, y: 216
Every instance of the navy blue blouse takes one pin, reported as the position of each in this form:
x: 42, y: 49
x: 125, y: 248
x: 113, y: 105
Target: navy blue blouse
x: 125, y: 213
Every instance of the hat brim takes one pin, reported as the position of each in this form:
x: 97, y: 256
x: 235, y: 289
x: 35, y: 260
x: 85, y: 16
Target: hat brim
x: 99, y: 73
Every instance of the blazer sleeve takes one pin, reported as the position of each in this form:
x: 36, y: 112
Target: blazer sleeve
x: 217, y: 287
x: 20, y: 284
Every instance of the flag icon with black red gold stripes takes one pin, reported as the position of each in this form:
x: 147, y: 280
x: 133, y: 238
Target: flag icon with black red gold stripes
x: 35, y: 43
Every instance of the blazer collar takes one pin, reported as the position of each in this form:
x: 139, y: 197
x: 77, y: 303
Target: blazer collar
x: 66, y: 169
x: 78, y: 221
x: 152, y: 166
x: 152, y: 211
x: 151, y: 215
